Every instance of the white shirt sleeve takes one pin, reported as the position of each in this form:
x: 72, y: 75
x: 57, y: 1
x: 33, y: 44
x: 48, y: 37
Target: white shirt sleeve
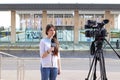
x: 41, y: 48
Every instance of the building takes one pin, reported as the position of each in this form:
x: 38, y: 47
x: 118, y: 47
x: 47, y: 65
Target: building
x: 70, y: 20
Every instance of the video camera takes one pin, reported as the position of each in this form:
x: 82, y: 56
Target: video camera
x: 96, y: 30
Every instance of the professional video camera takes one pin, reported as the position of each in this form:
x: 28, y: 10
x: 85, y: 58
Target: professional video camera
x: 98, y: 31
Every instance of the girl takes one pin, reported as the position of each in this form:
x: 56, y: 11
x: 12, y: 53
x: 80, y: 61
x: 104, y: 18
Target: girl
x: 50, y: 56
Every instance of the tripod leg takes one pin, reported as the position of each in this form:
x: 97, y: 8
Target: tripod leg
x: 112, y: 48
x: 102, y: 66
x: 94, y: 75
x: 91, y: 67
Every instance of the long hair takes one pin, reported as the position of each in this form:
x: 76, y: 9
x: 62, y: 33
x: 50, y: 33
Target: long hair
x: 55, y: 52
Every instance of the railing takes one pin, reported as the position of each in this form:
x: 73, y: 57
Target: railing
x: 20, y: 66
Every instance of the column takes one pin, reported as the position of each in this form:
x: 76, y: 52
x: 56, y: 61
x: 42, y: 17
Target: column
x: 13, y: 26
x: 44, y: 22
x: 108, y: 26
x: 76, y: 26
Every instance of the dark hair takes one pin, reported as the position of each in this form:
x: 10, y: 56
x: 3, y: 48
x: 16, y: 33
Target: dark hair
x: 55, y: 52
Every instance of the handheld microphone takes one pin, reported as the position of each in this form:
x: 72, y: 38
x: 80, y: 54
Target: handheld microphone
x: 53, y: 44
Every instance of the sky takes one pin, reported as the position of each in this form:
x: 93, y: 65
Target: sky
x: 61, y: 1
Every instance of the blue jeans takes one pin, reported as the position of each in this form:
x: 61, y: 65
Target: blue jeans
x: 49, y: 73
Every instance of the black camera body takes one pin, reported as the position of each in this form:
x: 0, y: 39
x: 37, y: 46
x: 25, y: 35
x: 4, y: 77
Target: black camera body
x: 96, y: 30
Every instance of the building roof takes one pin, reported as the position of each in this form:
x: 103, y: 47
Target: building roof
x: 115, y: 7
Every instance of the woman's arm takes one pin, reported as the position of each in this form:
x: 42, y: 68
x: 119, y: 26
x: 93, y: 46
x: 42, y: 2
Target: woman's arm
x: 59, y: 64
x: 47, y: 52
x: 44, y: 53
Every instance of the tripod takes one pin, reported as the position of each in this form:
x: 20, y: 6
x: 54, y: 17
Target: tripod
x: 98, y: 56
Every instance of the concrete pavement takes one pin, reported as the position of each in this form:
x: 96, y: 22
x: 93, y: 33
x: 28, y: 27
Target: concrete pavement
x: 72, y: 69
x: 75, y: 66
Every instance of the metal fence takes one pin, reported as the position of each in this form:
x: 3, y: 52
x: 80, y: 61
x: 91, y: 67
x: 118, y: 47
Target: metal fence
x: 15, y: 68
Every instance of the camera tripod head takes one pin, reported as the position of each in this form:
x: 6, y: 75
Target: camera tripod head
x: 96, y: 45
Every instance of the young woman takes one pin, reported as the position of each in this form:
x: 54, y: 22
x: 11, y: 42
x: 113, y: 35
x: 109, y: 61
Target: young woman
x: 50, y: 56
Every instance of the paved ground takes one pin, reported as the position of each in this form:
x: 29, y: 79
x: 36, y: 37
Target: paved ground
x: 66, y: 75
x: 72, y: 68
x: 75, y: 65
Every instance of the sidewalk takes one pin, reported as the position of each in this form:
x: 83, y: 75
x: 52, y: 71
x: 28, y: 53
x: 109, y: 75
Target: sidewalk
x: 65, y: 75
x: 72, y: 69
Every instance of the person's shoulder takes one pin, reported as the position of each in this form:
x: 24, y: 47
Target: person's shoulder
x: 43, y: 39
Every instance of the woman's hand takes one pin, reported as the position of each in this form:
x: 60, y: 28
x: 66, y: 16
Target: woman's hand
x: 59, y: 71
x: 51, y: 49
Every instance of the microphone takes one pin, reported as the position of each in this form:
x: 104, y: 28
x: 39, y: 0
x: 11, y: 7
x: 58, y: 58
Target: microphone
x: 53, y: 44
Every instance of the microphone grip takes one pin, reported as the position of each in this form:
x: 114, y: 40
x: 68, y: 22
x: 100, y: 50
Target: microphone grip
x: 53, y: 44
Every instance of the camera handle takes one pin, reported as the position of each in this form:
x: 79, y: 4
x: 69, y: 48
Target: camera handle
x: 112, y: 48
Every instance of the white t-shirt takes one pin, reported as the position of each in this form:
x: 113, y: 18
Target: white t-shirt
x: 49, y: 60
